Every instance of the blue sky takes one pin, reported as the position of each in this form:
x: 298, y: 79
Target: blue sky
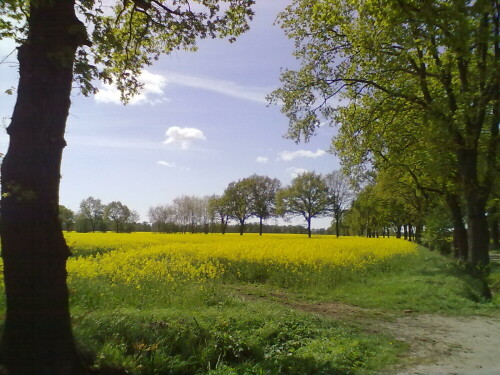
x: 201, y: 122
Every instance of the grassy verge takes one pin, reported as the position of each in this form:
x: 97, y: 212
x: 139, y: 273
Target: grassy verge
x: 425, y: 283
x: 213, y: 331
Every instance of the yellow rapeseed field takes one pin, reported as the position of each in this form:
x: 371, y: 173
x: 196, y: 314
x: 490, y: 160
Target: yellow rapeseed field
x: 134, y: 259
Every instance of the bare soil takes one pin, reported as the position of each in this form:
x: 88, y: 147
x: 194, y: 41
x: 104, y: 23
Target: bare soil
x: 438, y: 345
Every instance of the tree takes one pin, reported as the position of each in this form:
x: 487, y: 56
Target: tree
x: 238, y: 196
x: 66, y: 217
x: 162, y: 218
x: 339, y: 195
x: 92, y: 210
x: 56, y: 50
x: 263, y: 195
x: 119, y: 213
x: 437, y: 60
x: 219, y: 206
x: 306, y: 196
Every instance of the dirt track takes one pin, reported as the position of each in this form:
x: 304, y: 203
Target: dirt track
x: 448, y: 345
x: 439, y: 345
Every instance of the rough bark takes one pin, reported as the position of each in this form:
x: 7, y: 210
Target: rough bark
x: 460, y: 242
x: 37, y: 336
x: 475, y: 205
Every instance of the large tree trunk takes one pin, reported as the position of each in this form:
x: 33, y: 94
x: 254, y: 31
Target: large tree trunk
x: 460, y: 242
x: 37, y: 336
x: 475, y: 205
x: 494, y: 232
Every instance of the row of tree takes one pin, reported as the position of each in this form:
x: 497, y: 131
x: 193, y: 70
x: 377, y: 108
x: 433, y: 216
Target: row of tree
x: 420, y: 90
x: 309, y: 195
x: 95, y: 216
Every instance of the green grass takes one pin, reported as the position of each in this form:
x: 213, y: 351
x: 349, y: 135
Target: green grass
x: 226, y: 335
x: 427, y: 283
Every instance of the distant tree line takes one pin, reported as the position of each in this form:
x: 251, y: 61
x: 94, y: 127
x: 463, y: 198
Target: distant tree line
x: 378, y: 205
x: 310, y: 195
x: 94, y: 216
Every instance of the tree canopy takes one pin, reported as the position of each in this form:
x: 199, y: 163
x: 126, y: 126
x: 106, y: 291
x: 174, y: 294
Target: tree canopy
x: 410, y: 84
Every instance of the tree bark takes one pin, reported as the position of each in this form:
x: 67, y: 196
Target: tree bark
x: 37, y: 336
x: 308, y: 227
x: 494, y: 232
x: 260, y: 226
x: 475, y: 205
x: 460, y: 242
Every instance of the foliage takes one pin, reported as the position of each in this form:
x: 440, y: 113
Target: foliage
x: 92, y: 210
x: 238, y: 196
x: 126, y: 36
x: 66, y: 217
x: 412, y: 85
x: 340, y: 194
x: 306, y: 196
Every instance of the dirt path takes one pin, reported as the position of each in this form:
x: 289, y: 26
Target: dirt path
x: 448, y: 345
x: 438, y: 345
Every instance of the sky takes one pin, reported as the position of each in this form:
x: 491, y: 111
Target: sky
x: 201, y: 122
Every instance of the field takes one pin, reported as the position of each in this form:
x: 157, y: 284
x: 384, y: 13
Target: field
x: 147, y: 303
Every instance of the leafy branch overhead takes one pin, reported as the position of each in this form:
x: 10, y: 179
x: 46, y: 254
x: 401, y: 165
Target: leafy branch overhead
x: 125, y: 36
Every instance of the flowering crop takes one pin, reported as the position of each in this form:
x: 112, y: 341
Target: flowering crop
x: 135, y: 259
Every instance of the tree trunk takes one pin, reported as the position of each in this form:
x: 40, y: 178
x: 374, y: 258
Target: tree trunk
x: 475, y: 205
x: 242, y: 227
x: 37, y: 336
x: 418, y: 233
x: 398, y: 231
x: 260, y: 227
x: 460, y: 242
x: 405, y: 231
x: 308, y: 227
x: 493, y: 223
x: 337, y: 225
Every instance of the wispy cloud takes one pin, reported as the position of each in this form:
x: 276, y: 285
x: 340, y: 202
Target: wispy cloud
x: 167, y: 164
x: 170, y: 164
x: 295, y: 172
x: 290, y: 155
x: 183, y: 136
x: 152, y: 92
x: 262, y: 159
x: 224, y: 87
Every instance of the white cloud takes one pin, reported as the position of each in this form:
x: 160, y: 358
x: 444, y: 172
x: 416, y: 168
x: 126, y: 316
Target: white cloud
x: 183, y: 136
x: 167, y: 164
x: 262, y: 159
x: 295, y: 172
x: 151, y: 93
x: 228, y: 88
x: 290, y: 155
